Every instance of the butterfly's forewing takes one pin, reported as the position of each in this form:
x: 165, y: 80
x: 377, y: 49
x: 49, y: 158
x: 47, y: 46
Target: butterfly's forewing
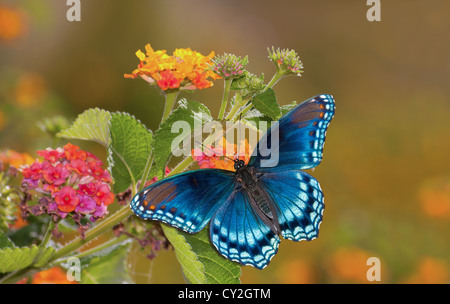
x: 299, y: 204
x: 301, y: 136
x: 240, y: 235
x: 187, y: 200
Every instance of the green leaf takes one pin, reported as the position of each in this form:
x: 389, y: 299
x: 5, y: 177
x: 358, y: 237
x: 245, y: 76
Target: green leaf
x: 200, y: 261
x: 266, y: 103
x: 193, y: 269
x: 12, y: 259
x: 288, y: 107
x: 109, y: 268
x: 129, y: 150
x: 16, y: 258
x: 256, y: 116
x: 5, y: 242
x: 218, y: 270
x: 92, y: 124
x: 192, y: 112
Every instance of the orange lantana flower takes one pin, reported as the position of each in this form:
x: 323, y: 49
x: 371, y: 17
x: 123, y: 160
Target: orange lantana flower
x: 53, y: 275
x: 185, y: 69
x: 15, y: 159
x: 222, y: 156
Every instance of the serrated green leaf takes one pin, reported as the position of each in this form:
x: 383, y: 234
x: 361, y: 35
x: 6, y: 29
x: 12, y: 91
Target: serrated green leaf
x: 17, y: 258
x: 266, y: 103
x: 5, y: 242
x: 92, y: 124
x: 107, y: 269
x: 129, y: 150
x: 192, y: 112
x: 288, y: 107
x: 256, y: 116
x: 200, y: 261
x: 193, y: 269
x: 218, y: 270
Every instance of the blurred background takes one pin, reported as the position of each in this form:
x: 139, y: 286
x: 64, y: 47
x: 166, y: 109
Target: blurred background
x: 386, y: 169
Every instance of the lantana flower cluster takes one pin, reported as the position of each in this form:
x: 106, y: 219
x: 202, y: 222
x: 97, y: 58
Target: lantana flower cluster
x: 222, y: 155
x: 69, y: 181
x: 185, y: 68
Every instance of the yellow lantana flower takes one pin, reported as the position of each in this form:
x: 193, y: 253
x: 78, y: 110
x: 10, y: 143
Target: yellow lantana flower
x: 185, y: 69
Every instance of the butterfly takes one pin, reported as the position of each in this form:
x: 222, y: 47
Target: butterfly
x: 249, y: 209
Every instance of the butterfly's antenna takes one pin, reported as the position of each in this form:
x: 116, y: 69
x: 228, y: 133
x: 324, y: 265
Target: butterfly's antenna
x: 239, y: 136
x: 214, y: 152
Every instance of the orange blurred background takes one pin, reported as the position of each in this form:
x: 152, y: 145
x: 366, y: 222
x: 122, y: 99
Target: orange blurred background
x: 386, y: 167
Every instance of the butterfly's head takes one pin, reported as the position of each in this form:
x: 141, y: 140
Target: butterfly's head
x: 238, y: 163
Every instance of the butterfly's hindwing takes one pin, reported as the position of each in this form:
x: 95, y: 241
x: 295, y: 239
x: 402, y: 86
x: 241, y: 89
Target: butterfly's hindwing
x: 300, y: 205
x: 240, y: 235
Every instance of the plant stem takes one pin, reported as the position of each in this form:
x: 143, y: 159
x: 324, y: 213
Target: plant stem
x: 181, y: 166
x: 107, y: 244
x: 171, y: 98
x: 226, y: 92
x: 237, y: 106
x: 45, y: 239
x: 103, y: 226
x: 274, y: 80
x: 148, y: 167
x: 246, y: 109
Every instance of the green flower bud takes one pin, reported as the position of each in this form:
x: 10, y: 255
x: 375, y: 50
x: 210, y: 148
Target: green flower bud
x: 53, y: 125
x: 8, y: 197
x: 287, y: 62
x: 229, y: 65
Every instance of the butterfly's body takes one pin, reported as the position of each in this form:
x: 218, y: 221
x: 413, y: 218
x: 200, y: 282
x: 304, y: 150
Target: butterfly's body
x: 258, y: 197
x: 249, y: 209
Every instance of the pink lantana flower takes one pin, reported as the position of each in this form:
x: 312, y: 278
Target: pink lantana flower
x: 69, y: 181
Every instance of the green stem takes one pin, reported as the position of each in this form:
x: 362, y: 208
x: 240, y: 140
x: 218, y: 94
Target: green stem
x: 245, y: 110
x: 226, y: 92
x: 181, y: 166
x: 48, y: 234
x: 45, y: 239
x: 105, y: 245
x: 278, y: 75
x: 103, y: 226
x: 236, y: 108
x: 171, y: 98
x: 148, y: 167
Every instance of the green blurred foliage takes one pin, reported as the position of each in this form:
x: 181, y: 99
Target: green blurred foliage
x: 389, y: 138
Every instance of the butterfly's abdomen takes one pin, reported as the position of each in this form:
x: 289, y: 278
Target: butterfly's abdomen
x: 259, y: 200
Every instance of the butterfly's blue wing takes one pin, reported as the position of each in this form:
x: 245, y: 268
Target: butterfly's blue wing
x: 301, y: 136
x: 187, y: 200
x: 240, y: 235
x: 299, y: 201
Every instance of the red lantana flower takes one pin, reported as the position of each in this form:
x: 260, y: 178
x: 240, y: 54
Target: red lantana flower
x: 168, y: 80
x: 67, y: 199
x: 69, y: 181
